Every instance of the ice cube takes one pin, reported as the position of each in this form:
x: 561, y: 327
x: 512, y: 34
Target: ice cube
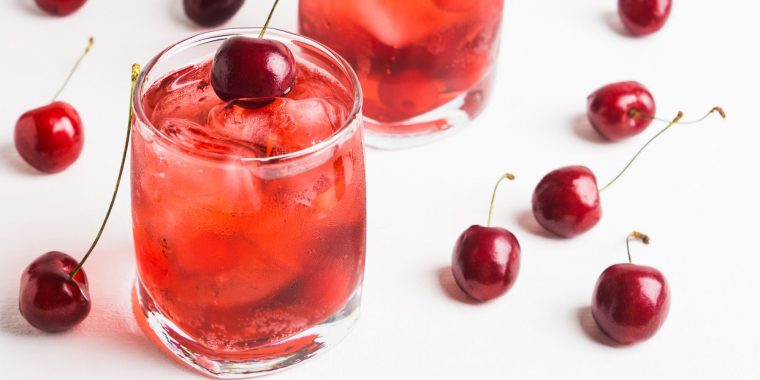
x: 194, y: 136
x: 281, y: 127
x: 185, y: 94
x: 399, y: 23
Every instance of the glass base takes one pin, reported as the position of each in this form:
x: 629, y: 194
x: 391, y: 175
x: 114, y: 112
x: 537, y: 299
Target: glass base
x: 441, y: 122
x: 260, y: 361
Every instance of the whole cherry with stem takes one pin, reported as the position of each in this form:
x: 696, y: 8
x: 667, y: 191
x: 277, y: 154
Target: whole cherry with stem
x: 51, y: 138
x: 623, y: 109
x: 486, y: 260
x: 60, y: 7
x: 54, y: 293
x: 566, y: 201
x: 251, y: 72
x: 211, y: 12
x: 630, y: 302
x: 644, y: 17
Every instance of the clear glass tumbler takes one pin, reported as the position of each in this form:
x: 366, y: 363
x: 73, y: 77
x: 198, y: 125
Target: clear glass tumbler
x: 249, y: 260
x: 426, y: 66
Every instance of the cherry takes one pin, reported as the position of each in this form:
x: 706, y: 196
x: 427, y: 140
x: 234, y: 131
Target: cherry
x: 54, y: 294
x: 566, y: 201
x: 49, y: 298
x: 254, y: 69
x: 643, y: 17
x: 615, y: 110
x: 50, y: 138
x: 60, y: 7
x: 211, y: 12
x: 630, y: 302
x: 486, y: 260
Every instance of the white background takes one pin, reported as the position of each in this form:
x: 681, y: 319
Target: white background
x: 695, y: 191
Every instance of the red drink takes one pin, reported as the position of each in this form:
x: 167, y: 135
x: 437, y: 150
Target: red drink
x: 249, y: 224
x: 425, y: 65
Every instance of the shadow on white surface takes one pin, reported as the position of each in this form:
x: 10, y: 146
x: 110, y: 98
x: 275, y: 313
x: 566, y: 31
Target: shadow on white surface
x: 29, y: 7
x: 12, y: 161
x: 12, y: 322
x: 583, y: 129
x: 450, y: 287
x: 527, y: 222
x: 612, y: 19
x: 592, y: 331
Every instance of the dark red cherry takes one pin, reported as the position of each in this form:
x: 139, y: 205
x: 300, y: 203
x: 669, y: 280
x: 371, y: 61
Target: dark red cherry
x: 60, y: 7
x: 630, y: 302
x: 211, y: 12
x: 620, y: 110
x: 485, y: 262
x: 246, y: 67
x: 643, y: 17
x: 566, y: 201
x: 50, y: 138
x: 48, y: 298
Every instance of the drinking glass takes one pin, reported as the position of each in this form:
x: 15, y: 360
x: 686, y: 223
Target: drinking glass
x: 246, y: 264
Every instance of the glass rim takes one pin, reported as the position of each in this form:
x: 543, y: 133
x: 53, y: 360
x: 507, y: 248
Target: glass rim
x: 222, y: 34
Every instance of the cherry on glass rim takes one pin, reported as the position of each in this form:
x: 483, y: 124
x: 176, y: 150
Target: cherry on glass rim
x: 644, y: 17
x: 51, y: 138
x: 253, y: 71
x: 486, y: 260
x: 54, y: 293
x: 60, y: 7
x: 630, y: 302
x: 211, y: 12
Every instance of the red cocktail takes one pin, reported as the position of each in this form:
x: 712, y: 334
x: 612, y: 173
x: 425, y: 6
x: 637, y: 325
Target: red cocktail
x: 425, y: 66
x: 249, y: 223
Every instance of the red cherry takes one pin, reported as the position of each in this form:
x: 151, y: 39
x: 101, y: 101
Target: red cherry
x: 252, y: 68
x: 51, y: 300
x: 60, y: 7
x: 566, y: 201
x: 211, y: 12
x: 643, y: 17
x: 486, y: 260
x: 620, y: 110
x: 50, y: 138
x: 630, y: 302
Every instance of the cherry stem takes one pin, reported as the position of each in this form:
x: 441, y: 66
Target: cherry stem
x: 635, y: 235
x: 638, y: 115
x: 269, y: 18
x: 90, y: 42
x: 135, y: 73
x: 672, y: 123
x: 508, y: 176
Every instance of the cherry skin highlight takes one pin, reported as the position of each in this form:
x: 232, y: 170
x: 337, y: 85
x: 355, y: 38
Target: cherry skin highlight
x: 49, y: 299
x: 566, y: 201
x: 630, y: 302
x: 644, y: 17
x: 621, y: 110
x: 211, y: 12
x: 60, y: 7
x: 253, y: 68
x: 50, y: 138
x: 486, y: 262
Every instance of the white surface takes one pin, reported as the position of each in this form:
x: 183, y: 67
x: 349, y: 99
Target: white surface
x: 695, y: 191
